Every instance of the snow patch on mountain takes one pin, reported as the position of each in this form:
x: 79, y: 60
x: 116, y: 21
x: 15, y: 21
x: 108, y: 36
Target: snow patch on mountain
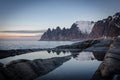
x: 85, y: 26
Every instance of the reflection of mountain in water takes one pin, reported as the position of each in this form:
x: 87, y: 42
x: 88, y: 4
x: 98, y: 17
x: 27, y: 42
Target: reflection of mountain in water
x: 78, y: 55
x: 29, y: 70
x: 85, y: 56
x: 99, y: 55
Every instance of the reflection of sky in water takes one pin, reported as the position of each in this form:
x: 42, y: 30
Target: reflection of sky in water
x: 73, y: 70
x: 85, y: 56
x: 81, y: 67
x: 34, y: 55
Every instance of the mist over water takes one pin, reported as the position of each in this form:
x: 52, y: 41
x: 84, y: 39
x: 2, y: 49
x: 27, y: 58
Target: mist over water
x: 18, y: 44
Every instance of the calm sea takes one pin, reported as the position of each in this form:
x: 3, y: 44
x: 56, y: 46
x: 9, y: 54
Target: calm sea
x: 8, y: 45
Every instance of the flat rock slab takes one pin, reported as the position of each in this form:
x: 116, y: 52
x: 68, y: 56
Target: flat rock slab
x: 29, y: 70
x: 102, y: 46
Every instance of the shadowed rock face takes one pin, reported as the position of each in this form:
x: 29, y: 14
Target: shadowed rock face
x: 7, y: 53
x: 80, y: 45
x: 109, y: 27
x: 2, y: 76
x: 99, y: 55
x: 29, y: 70
x: 101, y: 47
x: 111, y: 64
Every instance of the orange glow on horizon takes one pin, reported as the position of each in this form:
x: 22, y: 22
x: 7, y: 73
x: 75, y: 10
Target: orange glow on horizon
x: 2, y: 35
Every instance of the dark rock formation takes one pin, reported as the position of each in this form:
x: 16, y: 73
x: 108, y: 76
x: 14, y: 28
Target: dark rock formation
x: 111, y: 64
x: 109, y: 27
x: 73, y: 33
x: 7, y: 53
x: 99, y: 55
x: 2, y: 75
x: 80, y: 45
x: 29, y: 70
x: 102, y: 46
x: 99, y: 47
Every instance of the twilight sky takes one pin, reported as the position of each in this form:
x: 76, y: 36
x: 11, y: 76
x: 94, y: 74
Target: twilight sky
x: 42, y: 14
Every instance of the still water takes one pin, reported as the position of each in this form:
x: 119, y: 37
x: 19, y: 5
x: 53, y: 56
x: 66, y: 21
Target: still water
x: 81, y: 66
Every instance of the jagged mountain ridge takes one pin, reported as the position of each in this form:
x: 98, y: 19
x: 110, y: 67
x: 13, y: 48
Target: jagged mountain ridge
x: 109, y: 27
x: 79, y: 30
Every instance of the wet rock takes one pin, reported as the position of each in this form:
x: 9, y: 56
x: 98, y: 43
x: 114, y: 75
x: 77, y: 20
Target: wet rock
x: 30, y: 69
x: 80, y: 45
x: 2, y: 76
x: 21, y: 70
x: 1, y: 65
x: 115, y: 47
x: 7, y: 53
x: 99, y: 55
x: 47, y: 65
x: 111, y: 64
x: 118, y: 77
x: 102, y: 46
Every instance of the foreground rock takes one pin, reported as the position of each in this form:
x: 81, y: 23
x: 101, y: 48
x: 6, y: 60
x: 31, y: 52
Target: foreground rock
x: 80, y: 45
x: 110, y: 51
x: 14, y: 52
x: 97, y: 45
x: 29, y: 70
x: 101, y: 47
x: 99, y: 55
x: 111, y: 64
x: 2, y: 75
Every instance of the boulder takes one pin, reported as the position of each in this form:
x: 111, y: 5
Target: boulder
x: 80, y: 45
x: 101, y: 47
x: 47, y: 65
x: 30, y: 69
x: 111, y: 64
x: 21, y: 70
x: 2, y: 75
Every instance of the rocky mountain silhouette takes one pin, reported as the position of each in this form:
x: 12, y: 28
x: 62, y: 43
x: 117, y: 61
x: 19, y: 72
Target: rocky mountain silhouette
x: 109, y: 27
x: 73, y: 33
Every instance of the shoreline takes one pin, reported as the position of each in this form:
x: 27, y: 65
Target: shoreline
x: 108, y: 47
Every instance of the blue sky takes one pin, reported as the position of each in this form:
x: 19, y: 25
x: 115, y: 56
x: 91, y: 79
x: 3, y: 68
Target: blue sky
x: 42, y: 14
